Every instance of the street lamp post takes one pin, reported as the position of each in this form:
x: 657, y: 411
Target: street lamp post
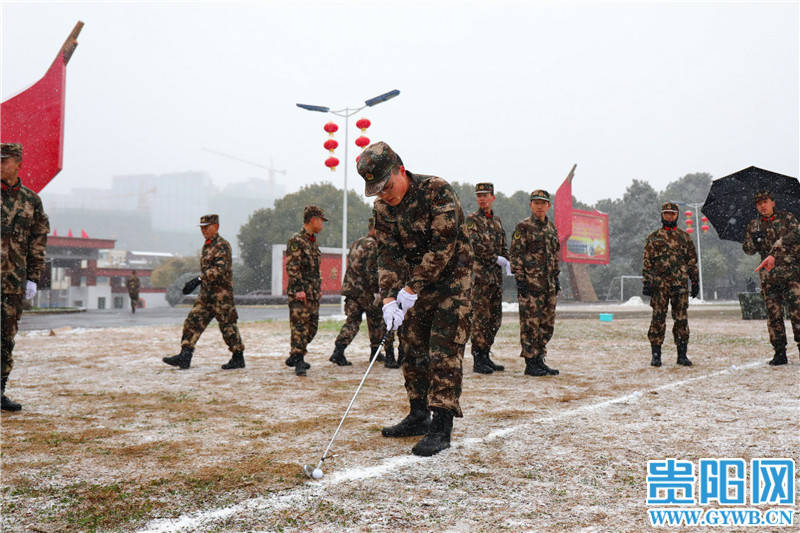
x: 697, y: 229
x: 348, y: 112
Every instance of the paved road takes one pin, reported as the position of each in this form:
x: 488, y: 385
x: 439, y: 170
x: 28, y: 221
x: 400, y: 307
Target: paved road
x: 150, y: 317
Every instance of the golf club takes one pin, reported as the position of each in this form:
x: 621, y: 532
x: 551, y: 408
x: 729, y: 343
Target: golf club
x: 316, y: 473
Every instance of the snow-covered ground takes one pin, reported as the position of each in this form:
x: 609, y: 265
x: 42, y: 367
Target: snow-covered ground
x: 112, y: 439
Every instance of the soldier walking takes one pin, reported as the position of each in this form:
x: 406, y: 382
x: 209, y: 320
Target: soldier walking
x: 215, y: 299
x: 360, y: 289
x: 425, y: 278
x: 668, y: 265
x: 534, y: 260
x: 24, y: 237
x: 305, y: 286
x: 488, y: 240
x: 761, y: 235
x: 133, y: 285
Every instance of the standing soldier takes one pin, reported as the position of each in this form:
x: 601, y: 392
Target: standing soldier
x: 534, y: 260
x: 215, y: 299
x: 305, y: 287
x: 762, y: 233
x: 488, y: 239
x: 360, y: 289
x: 424, y: 258
x: 133, y: 285
x: 24, y: 235
x: 668, y: 265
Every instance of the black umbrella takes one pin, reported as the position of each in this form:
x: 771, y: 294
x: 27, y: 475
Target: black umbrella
x: 730, y: 206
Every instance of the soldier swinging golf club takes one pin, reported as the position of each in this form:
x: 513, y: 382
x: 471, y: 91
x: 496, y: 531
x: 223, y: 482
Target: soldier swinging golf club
x: 316, y: 473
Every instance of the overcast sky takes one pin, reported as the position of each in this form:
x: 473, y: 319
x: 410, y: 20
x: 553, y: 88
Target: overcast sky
x: 509, y: 92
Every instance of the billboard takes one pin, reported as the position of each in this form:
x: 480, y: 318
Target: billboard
x: 588, y: 242
x: 330, y: 270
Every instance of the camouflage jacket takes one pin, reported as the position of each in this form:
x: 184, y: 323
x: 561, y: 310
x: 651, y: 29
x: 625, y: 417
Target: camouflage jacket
x: 488, y: 239
x: 361, y: 277
x: 423, y: 241
x: 24, y: 235
x: 781, y: 223
x: 786, y: 252
x: 216, y: 265
x: 669, y: 257
x: 133, y: 284
x: 535, y: 254
x: 302, y: 266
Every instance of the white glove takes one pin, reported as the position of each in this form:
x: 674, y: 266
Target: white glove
x: 30, y: 290
x: 406, y: 300
x: 389, y: 311
x: 503, y: 262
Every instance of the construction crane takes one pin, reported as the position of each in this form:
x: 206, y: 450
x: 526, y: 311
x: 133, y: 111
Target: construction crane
x: 271, y: 170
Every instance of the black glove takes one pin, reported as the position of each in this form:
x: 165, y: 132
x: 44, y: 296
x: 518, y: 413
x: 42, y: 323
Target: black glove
x: 558, y: 285
x: 695, y: 289
x: 522, y: 288
x: 191, y: 285
x: 758, y: 236
x: 647, y: 289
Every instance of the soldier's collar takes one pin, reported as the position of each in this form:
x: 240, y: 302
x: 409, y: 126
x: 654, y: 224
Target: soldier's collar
x: 487, y: 215
x: 768, y: 219
x: 312, y: 238
x: 12, y: 188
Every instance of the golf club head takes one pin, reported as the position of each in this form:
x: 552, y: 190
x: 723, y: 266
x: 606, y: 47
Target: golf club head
x: 308, y: 470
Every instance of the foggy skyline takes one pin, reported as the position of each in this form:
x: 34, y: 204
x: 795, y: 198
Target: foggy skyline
x: 508, y: 92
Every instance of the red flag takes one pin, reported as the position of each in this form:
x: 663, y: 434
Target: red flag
x: 563, y: 208
x: 84, y: 235
x: 55, y: 232
x: 35, y: 119
x: 69, y: 233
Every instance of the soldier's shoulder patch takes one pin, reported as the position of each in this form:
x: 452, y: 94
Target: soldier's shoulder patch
x: 517, y: 235
x: 293, y: 246
x: 470, y: 223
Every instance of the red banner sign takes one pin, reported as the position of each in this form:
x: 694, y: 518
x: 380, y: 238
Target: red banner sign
x: 588, y: 242
x: 330, y: 269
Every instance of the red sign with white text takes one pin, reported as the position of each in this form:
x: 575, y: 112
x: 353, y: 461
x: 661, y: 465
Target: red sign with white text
x: 588, y: 242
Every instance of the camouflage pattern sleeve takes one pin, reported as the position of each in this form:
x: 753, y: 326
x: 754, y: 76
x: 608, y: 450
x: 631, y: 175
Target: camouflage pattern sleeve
x: 392, y: 266
x: 517, y: 251
x: 445, y: 225
x: 504, y: 243
x: 750, y: 246
x: 647, y: 260
x: 691, y: 259
x: 37, y: 243
x: 556, y: 257
x: 220, y: 263
x: 294, y: 266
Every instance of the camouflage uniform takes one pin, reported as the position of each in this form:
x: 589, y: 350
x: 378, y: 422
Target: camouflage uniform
x: 24, y: 239
x: 488, y: 240
x: 534, y: 256
x: 133, y: 284
x: 668, y: 265
x: 776, y: 285
x: 302, y: 268
x: 360, y: 289
x: 423, y: 243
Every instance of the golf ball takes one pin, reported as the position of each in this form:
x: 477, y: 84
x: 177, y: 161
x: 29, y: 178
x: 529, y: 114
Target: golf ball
x: 317, y: 473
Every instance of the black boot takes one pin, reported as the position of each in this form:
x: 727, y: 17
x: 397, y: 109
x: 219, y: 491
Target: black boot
x: 417, y: 422
x: 656, y: 359
x: 237, y: 361
x: 533, y: 366
x: 682, y: 359
x: 390, y: 361
x: 293, y: 359
x: 550, y: 371
x: 182, y: 360
x: 480, y: 365
x: 438, y: 436
x: 338, y: 357
x: 380, y: 358
x: 780, y: 357
x: 300, y: 366
x: 494, y: 366
x: 8, y: 403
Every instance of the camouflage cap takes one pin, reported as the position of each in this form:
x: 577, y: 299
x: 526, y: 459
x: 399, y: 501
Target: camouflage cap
x: 375, y: 165
x: 11, y: 150
x: 540, y: 194
x: 312, y: 211
x: 762, y: 195
x: 484, y: 188
x: 207, y: 220
x: 670, y: 207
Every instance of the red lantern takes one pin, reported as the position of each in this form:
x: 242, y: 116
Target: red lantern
x: 688, y: 214
x: 331, y: 145
x: 363, y: 124
x: 690, y: 230
x: 332, y: 163
x: 362, y: 142
x: 331, y: 128
x: 689, y: 221
x: 704, y: 219
x: 705, y: 227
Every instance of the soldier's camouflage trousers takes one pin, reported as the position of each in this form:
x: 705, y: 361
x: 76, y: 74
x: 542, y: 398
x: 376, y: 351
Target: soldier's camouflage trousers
x: 354, y: 308
x: 204, y: 309
x: 134, y: 300
x: 662, y: 297
x: 432, y: 339
x: 12, y: 311
x: 304, y: 319
x: 537, y: 315
x: 776, y: 295
x: 487, y: 314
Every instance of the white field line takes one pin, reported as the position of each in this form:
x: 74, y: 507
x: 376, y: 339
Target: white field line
x: 314, y: 489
